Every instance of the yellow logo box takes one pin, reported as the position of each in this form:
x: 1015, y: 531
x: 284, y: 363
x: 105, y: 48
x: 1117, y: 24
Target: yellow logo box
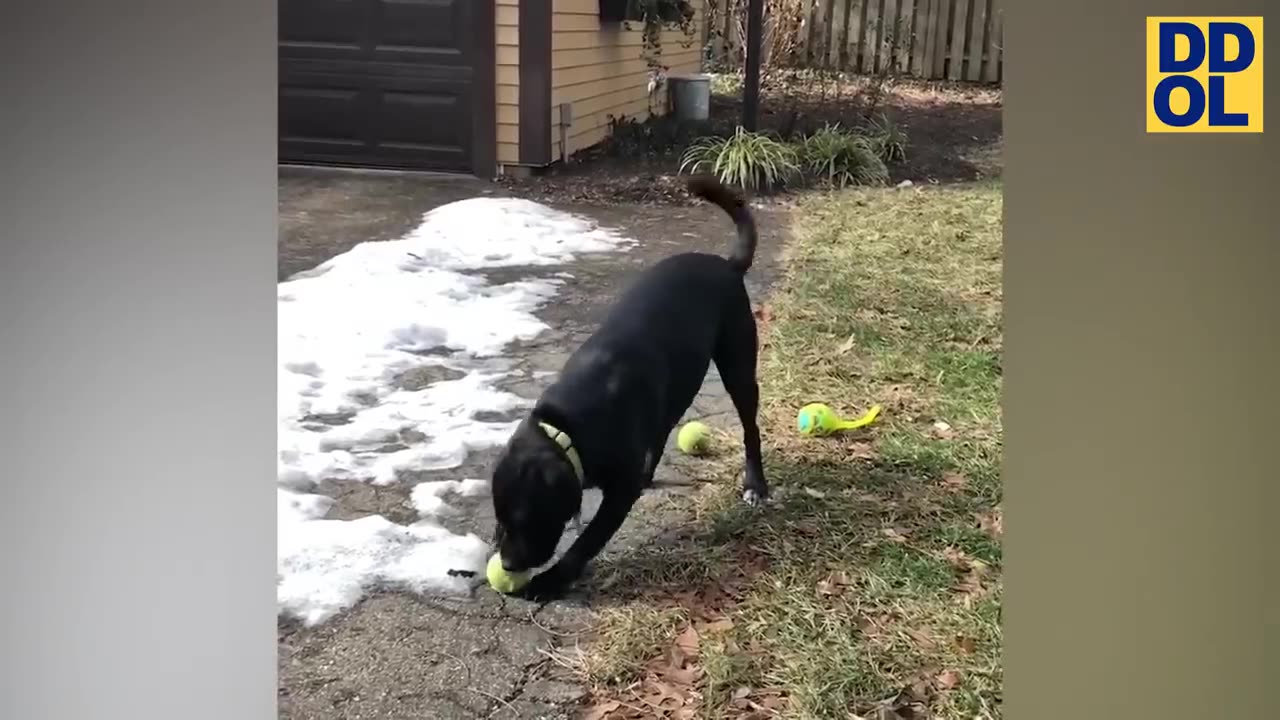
x: 1204, y: 74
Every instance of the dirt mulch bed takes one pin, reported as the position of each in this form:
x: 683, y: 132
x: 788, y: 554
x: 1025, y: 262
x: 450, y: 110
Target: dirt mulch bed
x: 954, y: 132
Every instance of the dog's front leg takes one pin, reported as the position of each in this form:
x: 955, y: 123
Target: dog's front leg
x: 555, y: 580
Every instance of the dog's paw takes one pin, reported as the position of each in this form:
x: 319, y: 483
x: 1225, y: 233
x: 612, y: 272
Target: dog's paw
x: 753, y: 497
x: 546, y: 586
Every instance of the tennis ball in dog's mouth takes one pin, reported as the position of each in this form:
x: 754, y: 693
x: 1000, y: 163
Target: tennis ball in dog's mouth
x: 694, y: 438
x: 503, y: 581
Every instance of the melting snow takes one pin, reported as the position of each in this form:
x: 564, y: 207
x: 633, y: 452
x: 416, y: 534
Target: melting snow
x: 347, y: 330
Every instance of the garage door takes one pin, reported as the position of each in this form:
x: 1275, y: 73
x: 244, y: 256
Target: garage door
x: 383, y: 83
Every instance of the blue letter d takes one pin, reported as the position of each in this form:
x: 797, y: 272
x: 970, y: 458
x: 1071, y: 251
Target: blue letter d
x: 1169, y: 32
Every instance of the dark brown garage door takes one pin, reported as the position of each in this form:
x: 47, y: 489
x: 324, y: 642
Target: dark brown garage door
x: 386, y: 83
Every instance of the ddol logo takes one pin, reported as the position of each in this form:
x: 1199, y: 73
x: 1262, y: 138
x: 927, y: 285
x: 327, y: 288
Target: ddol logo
x: 1204, y: 74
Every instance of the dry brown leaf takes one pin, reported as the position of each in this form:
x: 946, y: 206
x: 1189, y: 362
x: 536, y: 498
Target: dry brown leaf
x: 911, y: 701
x: 684, y: 676
x: 967, y: 645
x: 764, y: 316
x: 862, y: 451
x: 601, y: 709
x: 663, y: 695
x: 771, y: 701
x: 834, y: 584
x: 660, y: 690
x: 894, y: 534
x: 845, y: 346
x: 718, y: 626
x: 954, y: 481
x: 971, y: 584
x: 947, y: 679
x: 956, y: 557
x: 923, y: 639
x: 992, y: 522
x: 687, y: 642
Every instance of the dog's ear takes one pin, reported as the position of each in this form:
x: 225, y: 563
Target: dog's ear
x: 558, y: 482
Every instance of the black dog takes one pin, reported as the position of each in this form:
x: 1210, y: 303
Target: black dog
x: 606, y: 420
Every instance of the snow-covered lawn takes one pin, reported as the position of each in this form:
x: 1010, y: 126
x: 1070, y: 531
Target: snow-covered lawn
x: 347, y: 330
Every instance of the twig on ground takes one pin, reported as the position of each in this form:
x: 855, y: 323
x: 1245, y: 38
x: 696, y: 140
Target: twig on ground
x: 506, y: 703
x: 534, y: 620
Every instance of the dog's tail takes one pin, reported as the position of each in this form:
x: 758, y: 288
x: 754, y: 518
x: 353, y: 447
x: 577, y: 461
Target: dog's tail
x: 713, y: 191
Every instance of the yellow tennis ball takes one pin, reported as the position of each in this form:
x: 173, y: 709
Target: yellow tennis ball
x: 694, y: 438
x: 503, y: 581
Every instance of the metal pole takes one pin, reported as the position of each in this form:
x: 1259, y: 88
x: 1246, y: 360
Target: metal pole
x: 751, y: 88
x: 726, y: 42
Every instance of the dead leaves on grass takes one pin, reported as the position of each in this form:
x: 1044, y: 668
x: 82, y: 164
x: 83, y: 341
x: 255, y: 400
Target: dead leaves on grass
x: 954, y: 481
x: 895, y: 535
x: 601, y: 710
x: 834, y: 585
x: 910, y: 703
x: 670, y: 685
x: 972, y: 574
x: 914, y: 701
x: 947, y: 680
x: 992, y: 523
x: 847, y: 345
x: 667, y: 689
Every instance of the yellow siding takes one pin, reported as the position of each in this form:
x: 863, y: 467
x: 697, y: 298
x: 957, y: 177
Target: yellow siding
x: 508, y: 80
x: 600, y: 71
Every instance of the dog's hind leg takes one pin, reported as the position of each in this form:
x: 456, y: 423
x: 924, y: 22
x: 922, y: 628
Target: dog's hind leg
x: 735, y: 358
x: 651, y: 461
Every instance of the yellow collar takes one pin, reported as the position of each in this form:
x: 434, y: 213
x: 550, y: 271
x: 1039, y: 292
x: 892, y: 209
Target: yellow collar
x: 562, y: 439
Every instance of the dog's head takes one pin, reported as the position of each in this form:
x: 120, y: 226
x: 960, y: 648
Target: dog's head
x: 535, y: 494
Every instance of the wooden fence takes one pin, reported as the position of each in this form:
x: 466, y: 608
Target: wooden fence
x: 928, y: 39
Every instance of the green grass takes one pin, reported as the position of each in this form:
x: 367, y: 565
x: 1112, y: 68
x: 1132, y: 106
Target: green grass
x: 876, y: 582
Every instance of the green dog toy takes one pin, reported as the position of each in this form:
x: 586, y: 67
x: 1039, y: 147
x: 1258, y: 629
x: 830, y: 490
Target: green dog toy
x: 503, y: 581
x: 820, y: 419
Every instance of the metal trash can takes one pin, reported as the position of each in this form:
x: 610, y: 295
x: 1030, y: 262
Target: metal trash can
x: 690, y: 96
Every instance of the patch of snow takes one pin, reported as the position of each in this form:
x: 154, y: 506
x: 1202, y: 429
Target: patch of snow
x: 348, y: 330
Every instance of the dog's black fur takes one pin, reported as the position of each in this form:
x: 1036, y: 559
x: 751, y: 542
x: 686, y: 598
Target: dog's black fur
x: 619, y: 397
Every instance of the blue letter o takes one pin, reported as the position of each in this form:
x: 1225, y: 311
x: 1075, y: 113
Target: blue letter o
x: 1165, y: 89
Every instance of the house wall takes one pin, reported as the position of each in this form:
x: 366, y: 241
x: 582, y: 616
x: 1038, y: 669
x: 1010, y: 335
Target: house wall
x: 599, y: 69
x: 507, y: 38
